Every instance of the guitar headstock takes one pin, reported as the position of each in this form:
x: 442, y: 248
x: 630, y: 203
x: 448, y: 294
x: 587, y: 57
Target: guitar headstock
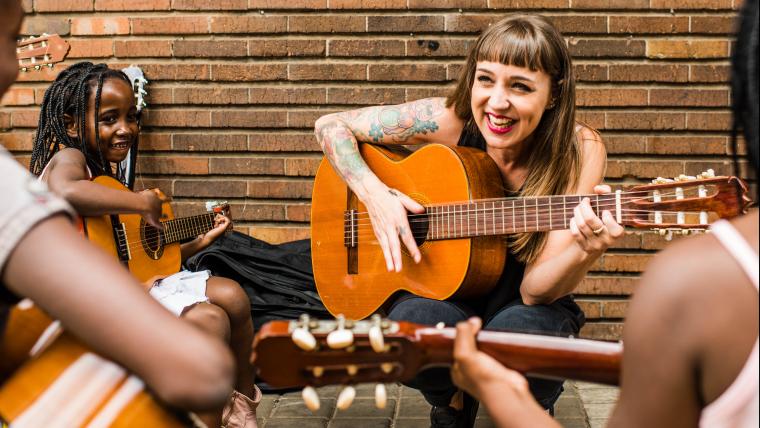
x: 219, y: 207
x: 684, y: 204
x: 138, y: 80
x: 35, y: 52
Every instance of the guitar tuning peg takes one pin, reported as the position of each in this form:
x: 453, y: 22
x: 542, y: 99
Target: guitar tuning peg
x: 376, y: 339
x: 310, y: 398
x: 340, y: 337
x: 352, y: 370
x: 386, y: 367
x: 318, y: 371
x: 381, y: 396
x: 24, y: 69
x: 304, y: 339
x: 36, y: 67
x: 346, y: 397
x: 50, y: 65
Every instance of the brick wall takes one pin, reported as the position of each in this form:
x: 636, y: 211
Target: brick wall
x: 236, y: 86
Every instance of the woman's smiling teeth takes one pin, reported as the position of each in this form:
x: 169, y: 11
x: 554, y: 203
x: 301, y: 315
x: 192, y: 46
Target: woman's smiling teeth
x: 500, y: 123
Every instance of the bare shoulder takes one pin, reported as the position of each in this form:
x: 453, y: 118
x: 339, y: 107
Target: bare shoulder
x: 590, y: 142
x: 69, y: 163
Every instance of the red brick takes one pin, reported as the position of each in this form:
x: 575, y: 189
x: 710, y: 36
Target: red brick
x: 174, y: 165
x: 709, y: 121
x: 256, y: 211
x: 209, y: 189
x: 687, y: 49
x: 143, y: 48
x: 365, y: 96
x: 691, y: 4
x: 302, y: 167
x: 248, y: 24
x: 248, y: 72
x: 405, y: 24
x: 611, y: 97
x: 625, y: 144
x: 62, y: 6
x: 407, y: 72
x: 132, y: 5
x: 709, y: 73
x: 5, y: 120
x: 458, y: 23
x: 277, y: 235
x: 286, y: 48
x: 579, y: 24
x: 90, y: 48
x: 247, y: 166
x: 210, y: 143
x: 607, y: 285
x: 367, y: 4
x: 195, y: 5
x: 610, y: 4
x: 413, y: 94
x: 16, y: 141
x: 327, y: 24
x: 301, y: 95
x: 154, y: 141
x: 454, y: 71
x: 685, y: 145
x: 305, y: 119
x: 210, y: 95
x: 366, y: 48
x: 725, y: 25
x: 592, y: 118
x: 340, y: 72
x: 298, y: 212
x: 645, y: 120
x: 527, y: 4
x: 18, y: 96
x: 158, y: 95
x: 34, y: 26
x: 591, y: 72
x: 646, y: 169
x: 166, y: 186
x: 648, y: 73
x: 288, y: 4
x: 283, y: 142
x: 25, y: 118
x: 586, y: 48
x: 439, y: 47
x: 249, y: 118
x: 626, y: 262
x: 279, y: 189
x: 602, y: 331
x: 175, y: 71
x: 28, y: 6
x: 649, y: 24
x: 171, y: 25
x: 210, y: 48
x: 686, y: 97
x: 183, y: 118
x: 99, y: 26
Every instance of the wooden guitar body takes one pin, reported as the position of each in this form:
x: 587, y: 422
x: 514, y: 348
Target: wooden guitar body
x: 139, y: 246
x: 354, y: 281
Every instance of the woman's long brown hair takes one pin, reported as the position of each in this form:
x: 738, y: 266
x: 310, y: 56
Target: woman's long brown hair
x: 554, y: 157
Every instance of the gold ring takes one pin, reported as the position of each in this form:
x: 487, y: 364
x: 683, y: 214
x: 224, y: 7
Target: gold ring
x: 600, y: 230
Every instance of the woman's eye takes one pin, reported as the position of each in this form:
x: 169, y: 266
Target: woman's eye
x: 484, y: 79
x: 522, y: 87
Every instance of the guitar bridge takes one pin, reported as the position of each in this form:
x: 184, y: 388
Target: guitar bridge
x: 120, y: 238
x: 351, y: 240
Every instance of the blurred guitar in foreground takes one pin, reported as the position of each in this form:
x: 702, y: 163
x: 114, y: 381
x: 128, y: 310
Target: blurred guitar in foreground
x: 313, y: 353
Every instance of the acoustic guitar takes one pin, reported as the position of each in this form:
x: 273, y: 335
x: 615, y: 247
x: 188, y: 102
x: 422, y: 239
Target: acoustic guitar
x: 461, y: 233
x: 34, y: 53
x: 314, y: 353
x: 145, y: 250
x: 60, y: 383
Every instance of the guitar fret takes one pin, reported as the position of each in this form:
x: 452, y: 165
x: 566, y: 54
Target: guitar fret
x: 551, y: 200
x: 564, y: 211
x: 537, y: 220
x: 525, y: 215
x: 493, y: 216
x: 476, y: 219
x: 514, y: 229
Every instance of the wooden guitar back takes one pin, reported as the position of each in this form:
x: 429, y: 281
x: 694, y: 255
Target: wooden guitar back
x: 433, y: 174
x: 143, y: 261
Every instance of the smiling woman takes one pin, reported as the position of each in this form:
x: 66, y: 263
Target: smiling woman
x: 515, y: 100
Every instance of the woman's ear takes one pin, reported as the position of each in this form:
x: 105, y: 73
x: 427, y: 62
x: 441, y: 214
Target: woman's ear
x: 71, y: 126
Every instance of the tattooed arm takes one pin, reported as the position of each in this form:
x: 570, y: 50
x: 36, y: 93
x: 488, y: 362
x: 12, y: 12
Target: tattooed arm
x: 418, y: 122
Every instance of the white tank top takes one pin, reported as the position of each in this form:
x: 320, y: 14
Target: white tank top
x: 739, y: 405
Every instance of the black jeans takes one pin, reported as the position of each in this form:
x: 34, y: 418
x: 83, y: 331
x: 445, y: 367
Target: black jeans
x: 563, y: 318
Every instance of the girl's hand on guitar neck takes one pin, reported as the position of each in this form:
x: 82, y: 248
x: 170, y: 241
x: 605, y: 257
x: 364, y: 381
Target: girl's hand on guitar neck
x: 222, y: 225
x: 593, y: 234
x: 388, y: 210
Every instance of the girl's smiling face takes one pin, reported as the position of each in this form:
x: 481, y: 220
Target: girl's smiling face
x: 117, y: 120
x: 508, y: 102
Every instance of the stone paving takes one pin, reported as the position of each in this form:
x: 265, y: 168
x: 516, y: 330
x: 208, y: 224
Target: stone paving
x: 582, y: 405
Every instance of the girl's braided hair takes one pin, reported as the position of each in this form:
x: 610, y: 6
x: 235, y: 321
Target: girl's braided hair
x: 70, y: 94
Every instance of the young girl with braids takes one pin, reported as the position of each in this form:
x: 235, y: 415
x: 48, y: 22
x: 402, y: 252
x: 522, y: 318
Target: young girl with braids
x: 88, y: 122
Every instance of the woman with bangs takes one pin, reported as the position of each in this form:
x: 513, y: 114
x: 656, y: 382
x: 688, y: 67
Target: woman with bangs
x: 515, y: 100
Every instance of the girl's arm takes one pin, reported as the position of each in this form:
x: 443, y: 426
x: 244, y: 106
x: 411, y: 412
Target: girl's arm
x: 67, y: 177
x: 417, y: 122
x: 222, y: 223
x: 569, y: 254
x: 98, y: 301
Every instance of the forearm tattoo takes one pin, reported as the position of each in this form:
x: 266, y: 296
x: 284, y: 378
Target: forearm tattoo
x: 392, y: 124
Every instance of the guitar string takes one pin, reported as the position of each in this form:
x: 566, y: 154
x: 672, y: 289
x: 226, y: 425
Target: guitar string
x: 152, y: 238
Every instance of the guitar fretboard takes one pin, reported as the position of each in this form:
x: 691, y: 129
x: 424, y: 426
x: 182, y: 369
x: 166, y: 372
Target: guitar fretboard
x: 180, y: 229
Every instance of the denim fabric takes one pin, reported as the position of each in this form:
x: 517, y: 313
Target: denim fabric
x: 561, y: 318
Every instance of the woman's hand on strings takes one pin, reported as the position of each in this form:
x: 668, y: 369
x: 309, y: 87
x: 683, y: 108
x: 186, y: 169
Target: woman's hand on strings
x: 593, y: 234
x: 388, y: 213
x: 222, y: 225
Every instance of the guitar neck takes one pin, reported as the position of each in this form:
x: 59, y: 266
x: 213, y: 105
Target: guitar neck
x: 541, y: 356
x: 509, y: 215
x: 180, y: 229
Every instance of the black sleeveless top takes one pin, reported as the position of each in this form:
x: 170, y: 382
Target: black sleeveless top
x: 508, y: 287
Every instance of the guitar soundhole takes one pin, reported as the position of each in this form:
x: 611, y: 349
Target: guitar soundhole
x: 152, y: 240
x: 419, y: 224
